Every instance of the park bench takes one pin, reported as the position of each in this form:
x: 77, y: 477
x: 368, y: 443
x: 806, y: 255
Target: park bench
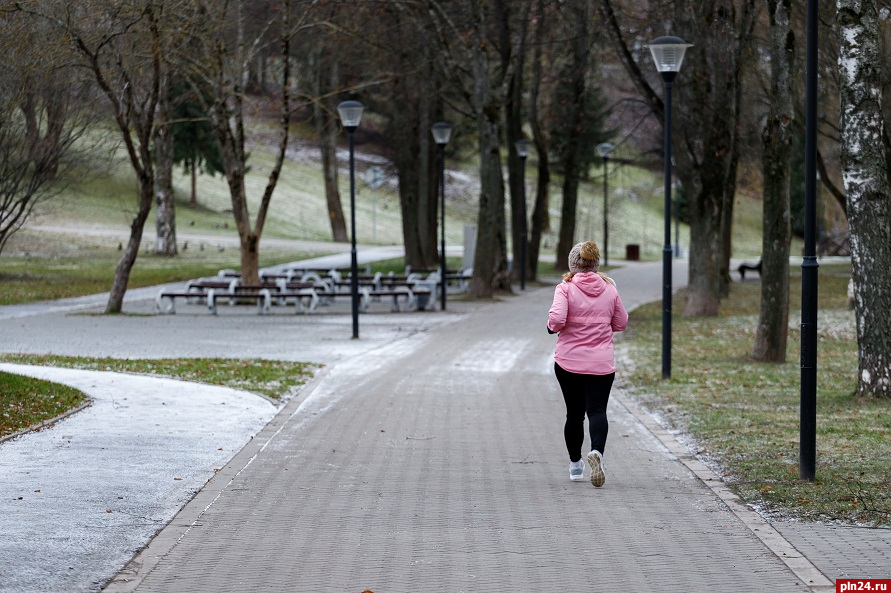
x: 239, y: 294
x: 196, y: 291
x: 408, y: 292
x: 745, y: 266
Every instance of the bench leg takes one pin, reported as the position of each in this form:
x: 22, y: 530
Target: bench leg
x: 264, y: 302
x: 211, y: 302
x: 164, y: 305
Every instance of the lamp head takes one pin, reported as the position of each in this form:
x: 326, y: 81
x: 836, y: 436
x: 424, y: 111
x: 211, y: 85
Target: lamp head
x: 605, y: 149
x: 522, y: 145
x: 442, y: 132
x: 350, y: 114
x: 668, y: 54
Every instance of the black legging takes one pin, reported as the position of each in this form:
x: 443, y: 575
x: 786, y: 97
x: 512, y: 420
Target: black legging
x: 584, y: 393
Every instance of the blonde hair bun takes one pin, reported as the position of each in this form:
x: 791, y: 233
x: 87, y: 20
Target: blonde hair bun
x: 589, y: 251
x: 584, y: 257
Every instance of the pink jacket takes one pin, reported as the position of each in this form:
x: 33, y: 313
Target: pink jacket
x: 586, y: 311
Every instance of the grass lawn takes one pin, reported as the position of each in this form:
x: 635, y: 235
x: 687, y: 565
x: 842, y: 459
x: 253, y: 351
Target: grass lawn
x: 25, y: 402
x: 42, y: 266
x: 744, y: 415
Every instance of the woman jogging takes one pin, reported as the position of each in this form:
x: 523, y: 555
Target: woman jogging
x: 586, y: 312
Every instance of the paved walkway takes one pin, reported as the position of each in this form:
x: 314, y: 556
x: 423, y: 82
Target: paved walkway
x: 429, y: 457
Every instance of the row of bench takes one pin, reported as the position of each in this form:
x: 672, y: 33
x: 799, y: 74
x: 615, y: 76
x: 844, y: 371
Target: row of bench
x: 306, y: 294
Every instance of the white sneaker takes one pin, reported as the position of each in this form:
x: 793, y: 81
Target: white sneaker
x: 598, y: 476
x: 576, y: 470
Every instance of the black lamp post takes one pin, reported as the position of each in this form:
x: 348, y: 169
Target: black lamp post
x: 442, y: 132
x: 350, y: 115
x: 668, y: 53
x: 604, y: 150
x: 809, y: 266
x: 522, y: 146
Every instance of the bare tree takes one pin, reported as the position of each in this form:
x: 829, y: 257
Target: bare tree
x: 709, y: 95
x: 218, y: 65
x: 321, y: 72
x: 773, y: 324
x: 39, y: 120
x: 120, y: 43
x: 477, y: 47
x: 865, y: 170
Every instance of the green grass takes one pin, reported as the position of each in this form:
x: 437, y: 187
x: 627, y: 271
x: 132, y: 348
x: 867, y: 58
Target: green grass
x: 25, y: 402
x: 744, y: 415
x: 42, y: 266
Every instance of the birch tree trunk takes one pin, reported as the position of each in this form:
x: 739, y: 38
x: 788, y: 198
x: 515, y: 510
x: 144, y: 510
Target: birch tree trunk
x: 165, y: 207
x: 776, y: 141
x: 866, y: 185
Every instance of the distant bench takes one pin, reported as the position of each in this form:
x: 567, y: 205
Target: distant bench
x: 306, y: 296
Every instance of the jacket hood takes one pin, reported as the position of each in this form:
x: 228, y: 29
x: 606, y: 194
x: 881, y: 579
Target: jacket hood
x: 589, y: 283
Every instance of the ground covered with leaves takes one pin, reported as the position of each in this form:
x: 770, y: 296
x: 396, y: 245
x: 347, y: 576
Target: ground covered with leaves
x: 743, y: 416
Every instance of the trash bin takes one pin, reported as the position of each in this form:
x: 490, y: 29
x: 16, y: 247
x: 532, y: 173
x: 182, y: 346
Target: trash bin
x: 632, y: 252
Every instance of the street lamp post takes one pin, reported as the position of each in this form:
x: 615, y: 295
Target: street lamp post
x: 350, y: 115
x: 442, y: 132
x: 604, y: 150
x: 668, y: 53
x: 808, y: 428
x: 522, y: 145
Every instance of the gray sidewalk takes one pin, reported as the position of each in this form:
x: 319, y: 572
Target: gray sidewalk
x: 430, y: 457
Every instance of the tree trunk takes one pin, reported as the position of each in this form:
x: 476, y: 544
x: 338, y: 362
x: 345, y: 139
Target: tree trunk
x: 776, y: 141
x: 705, y: 223
x: 540, y: 216
x: 418, y: 192
x: 193, y: 201
x: 513, y: 127
x: 866, y: 185
x: 418, y: 230
x: 165, y: 206
x: 327, y: 129
x: 250, y: 258
x: 490, y: 271
x: 516, y: 181
x: 490, y: 259
x: 125, y: 264
x: 577, y: 112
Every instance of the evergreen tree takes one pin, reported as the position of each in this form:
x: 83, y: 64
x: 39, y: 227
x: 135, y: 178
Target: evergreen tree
x: 196, y: 147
